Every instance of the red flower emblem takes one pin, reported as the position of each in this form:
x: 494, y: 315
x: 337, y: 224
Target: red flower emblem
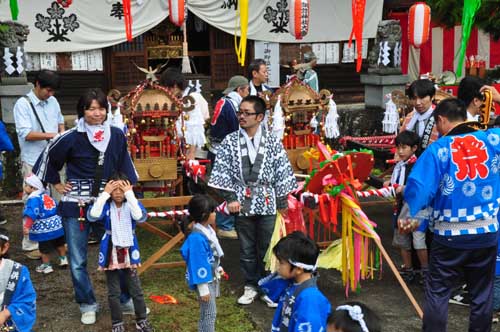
x: 48, y: 202
x: 99, y: 136
x: 469, y: 155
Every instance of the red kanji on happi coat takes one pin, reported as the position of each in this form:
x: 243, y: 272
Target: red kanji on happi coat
x: 48, y: 203
x: 469, y: 155
x: 99, y: 136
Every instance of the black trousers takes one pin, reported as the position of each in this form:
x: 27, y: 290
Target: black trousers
x: 131, y: 279
x: 446, y: 266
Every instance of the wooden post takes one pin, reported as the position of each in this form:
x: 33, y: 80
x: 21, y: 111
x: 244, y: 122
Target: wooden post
x: 399, y: 278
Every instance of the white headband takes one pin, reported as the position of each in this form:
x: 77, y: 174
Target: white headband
x: 356, y: 314
x: 4, y: 237
x: 304, y: 266
x: 34, y: 181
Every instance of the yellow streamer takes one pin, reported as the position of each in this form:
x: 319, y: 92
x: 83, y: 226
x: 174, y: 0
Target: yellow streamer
x: 278, y: 233
x: 241, y: 48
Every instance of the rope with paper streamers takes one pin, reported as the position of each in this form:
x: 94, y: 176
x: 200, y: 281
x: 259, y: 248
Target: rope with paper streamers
x: 241, y: 48
x: 469, y: 13
x: 222, y: 208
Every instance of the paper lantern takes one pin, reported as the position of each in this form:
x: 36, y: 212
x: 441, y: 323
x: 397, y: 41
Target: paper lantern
x: 299, y: 18
x: 177, y: 11
x: 419, y: 21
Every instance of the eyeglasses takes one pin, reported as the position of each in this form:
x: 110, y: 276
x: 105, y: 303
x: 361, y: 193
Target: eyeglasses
x: 245, y: 114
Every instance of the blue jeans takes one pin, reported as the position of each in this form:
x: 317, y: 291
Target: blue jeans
x: 224, y: 222
x: 77, y: 251
x: 255, y: 234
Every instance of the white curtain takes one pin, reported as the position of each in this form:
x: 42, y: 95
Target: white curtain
x: 89, y: 24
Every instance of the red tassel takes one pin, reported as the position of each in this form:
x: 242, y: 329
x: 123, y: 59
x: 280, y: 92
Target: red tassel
x: 81, y: 217
x: 311, y: 224
x: 323, y: 212
x: 127, y: 17
x: 333, y: 212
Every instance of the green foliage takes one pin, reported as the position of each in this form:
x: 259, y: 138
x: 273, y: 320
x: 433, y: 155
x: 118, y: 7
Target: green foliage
x: 449, y: 14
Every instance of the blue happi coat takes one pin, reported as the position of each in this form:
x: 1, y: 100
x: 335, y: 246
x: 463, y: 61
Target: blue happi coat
x: 22, y: 305
x: 106, y: 241
x: 47, y: 225
x: 200, y: 260
x: 458, y: 176
x: 310, y: 309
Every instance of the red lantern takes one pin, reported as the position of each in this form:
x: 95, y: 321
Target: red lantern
x: 419, y: 20
x: 299, y: 18
x: 176, y: 11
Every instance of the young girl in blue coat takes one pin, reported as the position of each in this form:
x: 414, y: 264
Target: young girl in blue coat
x: 119, y: 210
x: 202, y: 253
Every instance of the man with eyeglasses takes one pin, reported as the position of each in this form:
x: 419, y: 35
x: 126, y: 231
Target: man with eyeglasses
x: 38, y: 119
x: 253, y: 174
x: 224, y: 122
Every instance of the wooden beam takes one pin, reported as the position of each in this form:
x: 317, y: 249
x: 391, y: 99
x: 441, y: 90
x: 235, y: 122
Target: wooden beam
x: 165, y: 201
x: 168, y: 265
x: 155, y: 230
x: 163, y: 250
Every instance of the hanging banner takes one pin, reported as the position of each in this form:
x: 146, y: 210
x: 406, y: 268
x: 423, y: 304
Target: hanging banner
x: 87, y: 25
x: 270, y: 52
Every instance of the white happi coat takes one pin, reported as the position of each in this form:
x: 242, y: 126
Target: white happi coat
x: 275, y: 174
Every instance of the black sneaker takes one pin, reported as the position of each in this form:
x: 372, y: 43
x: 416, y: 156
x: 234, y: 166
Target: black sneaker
x: 460, y: 297
x: 407, y: 273
x: 118, y: 327
x: 144, y: 326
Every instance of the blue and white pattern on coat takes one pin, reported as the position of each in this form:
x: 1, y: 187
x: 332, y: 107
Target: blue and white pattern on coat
x: 275, y: 179
x: 443, y: 154
x: 469, y: 189
x: 494, y: 139
x: 446, y: 186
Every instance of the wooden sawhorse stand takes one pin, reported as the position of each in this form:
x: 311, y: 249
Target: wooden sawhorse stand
x: 172, y: 241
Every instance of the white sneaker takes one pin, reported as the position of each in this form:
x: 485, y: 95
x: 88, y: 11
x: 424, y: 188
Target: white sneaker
x: 248, y: 296
x: 88, y: 318
x: 44, y: 268
x: 63, y: 261
x: 268, y: 301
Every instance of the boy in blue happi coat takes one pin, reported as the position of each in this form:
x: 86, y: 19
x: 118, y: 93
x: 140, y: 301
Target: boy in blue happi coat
x: 202, y: 253
x: 302, y: 306
x: 17, y: 292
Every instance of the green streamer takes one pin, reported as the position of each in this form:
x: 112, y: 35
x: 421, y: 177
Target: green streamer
x: 469, y: 14
x: 377, y: 258
x: 14, y: 9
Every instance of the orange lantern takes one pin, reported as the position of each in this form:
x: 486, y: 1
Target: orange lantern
x: 419, y: 20
x: 177, y: 11
x: 299, y: 18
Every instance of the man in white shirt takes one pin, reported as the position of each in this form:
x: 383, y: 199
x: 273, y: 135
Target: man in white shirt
x: 38, y: 119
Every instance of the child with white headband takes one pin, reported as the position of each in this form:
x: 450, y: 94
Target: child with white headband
x: 353, y: 317
x: 43, y: 224
x: 302, y: 306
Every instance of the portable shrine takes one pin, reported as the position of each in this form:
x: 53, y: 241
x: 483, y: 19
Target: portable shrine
x: 151, y: 112
x: 299, y: 104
